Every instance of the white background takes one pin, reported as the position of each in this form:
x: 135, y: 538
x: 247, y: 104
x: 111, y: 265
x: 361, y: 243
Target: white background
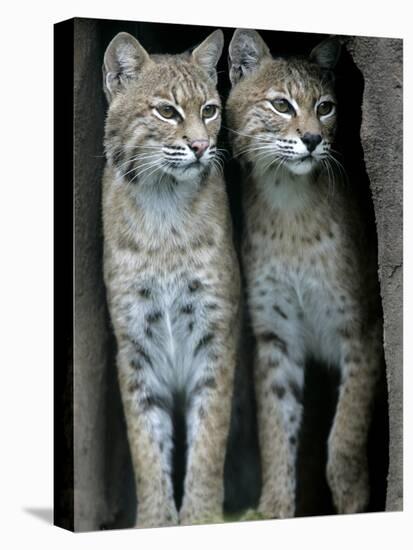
x: 26, y: 377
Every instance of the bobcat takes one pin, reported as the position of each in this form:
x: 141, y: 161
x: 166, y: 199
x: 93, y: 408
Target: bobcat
x: 170, y: 270
x: 311, y: 283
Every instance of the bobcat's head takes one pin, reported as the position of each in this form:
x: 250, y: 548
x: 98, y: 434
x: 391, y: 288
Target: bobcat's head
x: 164, y: 111
x: 282, y: 112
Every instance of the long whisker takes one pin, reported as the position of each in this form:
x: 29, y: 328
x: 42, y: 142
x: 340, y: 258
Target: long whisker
x: 156, y: 169
x: 136, y: 168
x: 246, y: 150
x: 340, y: 167
x: 258, y: 138
x: 325, y: 164
x: 147, y: 166
x: 148, y: 147
x: 336, y: 152
x: 275, y: 159
x: 222, y: 151
x: 218, y: 167
x: 137, y: 157
x: 333, y: 179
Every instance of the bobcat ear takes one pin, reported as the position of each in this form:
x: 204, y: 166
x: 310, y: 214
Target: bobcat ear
x: 246, y: 51
x: 124, y: 58
x: 207, y: 54
x: 327, y: 53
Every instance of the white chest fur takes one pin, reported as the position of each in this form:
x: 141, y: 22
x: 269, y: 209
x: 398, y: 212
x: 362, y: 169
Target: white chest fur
x: 294, y: 262
x: 168, y: 321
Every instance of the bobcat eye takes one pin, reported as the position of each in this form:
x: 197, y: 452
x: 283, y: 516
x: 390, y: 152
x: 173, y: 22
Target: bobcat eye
x: 167, y: 111
x: 209, y: 111
x: 283, y: 106
x: 325, y: 108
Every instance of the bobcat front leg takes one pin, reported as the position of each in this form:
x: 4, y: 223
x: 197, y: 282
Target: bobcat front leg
x: 279, y: 379
x: 149, y: 428
x: 347, y: 469
x: 208, y: 422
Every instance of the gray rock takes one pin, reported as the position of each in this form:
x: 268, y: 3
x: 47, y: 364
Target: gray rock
x: 381, y: 62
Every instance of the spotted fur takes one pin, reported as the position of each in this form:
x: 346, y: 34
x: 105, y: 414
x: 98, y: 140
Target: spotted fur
x: 170, y: 270
x: 310, y: 279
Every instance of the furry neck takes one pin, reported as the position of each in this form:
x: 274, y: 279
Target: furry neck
x: 165, y: 203
x: 283, y: 190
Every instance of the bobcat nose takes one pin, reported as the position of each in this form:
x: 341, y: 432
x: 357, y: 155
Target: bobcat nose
x: 199, y: 146
x: 311, y: 141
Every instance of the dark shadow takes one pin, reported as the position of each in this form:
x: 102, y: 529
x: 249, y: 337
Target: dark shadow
x: 45, y: 514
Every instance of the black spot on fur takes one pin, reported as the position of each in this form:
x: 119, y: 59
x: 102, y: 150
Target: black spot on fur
x: 145, y: 292
x: 187, y: 309
x: 280, y: 312
x: 142, y: 352
x: 154, y: 316
x: 129, y: 171
x: 117, y: 156
x: 151, y: 401
x: 273, y: 363
x: 136, y: 364
x: 296, y: 391
x: 209, y: 382
x: 134, y: 386
x: 278, y: 390
x: 271, y: 337
x: 111, y: 133
x: 194, y: 285
x: 203, y: 342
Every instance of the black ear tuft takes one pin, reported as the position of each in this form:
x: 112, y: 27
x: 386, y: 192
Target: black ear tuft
x: 124, y: 58
x: 246, y: 51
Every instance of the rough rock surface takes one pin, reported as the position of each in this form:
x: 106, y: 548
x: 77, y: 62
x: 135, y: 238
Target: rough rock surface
x: 90, y: 323
x: 381, y: 62
x: 103, y: 477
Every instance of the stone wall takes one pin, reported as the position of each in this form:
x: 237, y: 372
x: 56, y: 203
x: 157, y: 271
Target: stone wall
x: 381, y: 62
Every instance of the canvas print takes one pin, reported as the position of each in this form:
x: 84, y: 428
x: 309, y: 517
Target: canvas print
x: 224, y: 342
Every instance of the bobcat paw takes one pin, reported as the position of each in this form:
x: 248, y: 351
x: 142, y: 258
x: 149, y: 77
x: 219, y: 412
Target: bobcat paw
x: 252, y: 515
x: 192, y: 516
x: 147, y: 519
x: 347, y: 477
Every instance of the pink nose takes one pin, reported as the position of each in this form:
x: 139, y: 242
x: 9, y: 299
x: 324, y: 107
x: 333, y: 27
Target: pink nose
x: 199, y: 146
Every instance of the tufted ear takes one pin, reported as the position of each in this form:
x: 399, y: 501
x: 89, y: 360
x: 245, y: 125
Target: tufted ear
x: 246, y: 51
x: 124, y: 58
x: 327, y: 53
x: 207, y: 54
